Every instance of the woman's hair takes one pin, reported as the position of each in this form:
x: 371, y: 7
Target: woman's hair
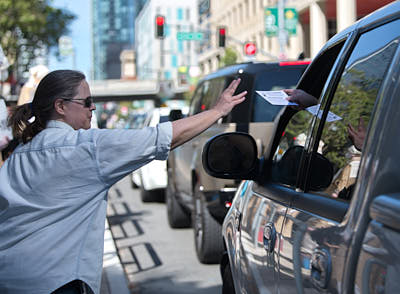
x: 57, y: 84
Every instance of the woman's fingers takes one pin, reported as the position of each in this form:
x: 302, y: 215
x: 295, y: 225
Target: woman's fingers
x: 232, y: 86
x: 240, y: 95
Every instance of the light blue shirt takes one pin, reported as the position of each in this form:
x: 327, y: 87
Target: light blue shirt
x: 53, y: 198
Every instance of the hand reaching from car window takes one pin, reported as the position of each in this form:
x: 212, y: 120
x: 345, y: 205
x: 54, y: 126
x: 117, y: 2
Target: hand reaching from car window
x: 302, y: 98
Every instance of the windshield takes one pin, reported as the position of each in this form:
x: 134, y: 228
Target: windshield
x: 284, y: 78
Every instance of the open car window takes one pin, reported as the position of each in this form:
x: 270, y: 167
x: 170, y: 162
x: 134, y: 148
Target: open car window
x: 284, y: 167
x: 342, y: 139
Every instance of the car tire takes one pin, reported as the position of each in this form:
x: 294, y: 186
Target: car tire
x: 207, y: 232
x: 133, y: 185
x: 177, y: 217
x: 146, y: 196
x: 228, y: 286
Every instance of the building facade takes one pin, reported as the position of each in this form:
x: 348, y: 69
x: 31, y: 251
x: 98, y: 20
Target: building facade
x: 167, y: 59
x: 113, y: 31
x: 245, y: 20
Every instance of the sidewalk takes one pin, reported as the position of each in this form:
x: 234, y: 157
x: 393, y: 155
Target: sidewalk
x: 113, y: 279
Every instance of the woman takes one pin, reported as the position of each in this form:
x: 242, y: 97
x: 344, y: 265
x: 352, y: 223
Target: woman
x: 53, y: 191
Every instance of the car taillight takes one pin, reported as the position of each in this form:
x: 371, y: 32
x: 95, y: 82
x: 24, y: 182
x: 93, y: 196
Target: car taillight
x: 285, y: 63
x: 228, y: 204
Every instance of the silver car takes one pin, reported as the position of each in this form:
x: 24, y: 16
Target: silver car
x: 320, y: 210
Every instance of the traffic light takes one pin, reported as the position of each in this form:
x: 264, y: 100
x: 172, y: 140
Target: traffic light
x: 250, y: 48
x: 221, y: 36
x: 160, y: 23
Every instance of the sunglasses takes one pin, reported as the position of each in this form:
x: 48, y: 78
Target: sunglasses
x: 87, y: 102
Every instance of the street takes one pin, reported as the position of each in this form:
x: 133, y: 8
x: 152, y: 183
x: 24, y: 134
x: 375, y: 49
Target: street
x: 155, y: 258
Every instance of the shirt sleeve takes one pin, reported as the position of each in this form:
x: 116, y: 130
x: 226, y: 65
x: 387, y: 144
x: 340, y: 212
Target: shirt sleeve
x: 119, y: 152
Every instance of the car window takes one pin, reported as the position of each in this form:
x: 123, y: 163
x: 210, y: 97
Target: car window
x: 164, y: 118
x: 283, y: 78
x: 212, y: 90
x: 195, y: 103
x: 296, y: 131
x: 342, y: 139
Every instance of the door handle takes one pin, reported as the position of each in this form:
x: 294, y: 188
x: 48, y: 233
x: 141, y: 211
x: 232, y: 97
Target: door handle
x: 321, y: 268
x: 269, y: 237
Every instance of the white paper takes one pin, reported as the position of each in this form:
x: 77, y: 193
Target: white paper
x: 275, y: 97
x: 316, y: 108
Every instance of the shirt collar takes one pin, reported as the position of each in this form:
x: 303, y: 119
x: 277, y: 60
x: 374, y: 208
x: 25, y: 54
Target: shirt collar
x: 58, y: 125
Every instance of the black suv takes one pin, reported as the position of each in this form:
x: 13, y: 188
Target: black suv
x: 320, y: 211
x: 194, y: 197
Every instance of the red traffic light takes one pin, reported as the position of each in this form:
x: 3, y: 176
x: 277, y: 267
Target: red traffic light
x: 160, y: 23
x: 250, y: 48
x: 221, y: 36
x: 160, y: 20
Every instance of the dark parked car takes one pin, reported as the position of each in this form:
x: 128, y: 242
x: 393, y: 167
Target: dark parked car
x: 192, y: 195
x: 318, y: 215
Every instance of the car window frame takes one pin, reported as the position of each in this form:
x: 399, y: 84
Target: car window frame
x: 291, y: 194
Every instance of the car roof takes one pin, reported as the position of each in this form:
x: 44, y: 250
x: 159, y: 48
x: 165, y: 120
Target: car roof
x: 384, y: 13
x: 253, y: 68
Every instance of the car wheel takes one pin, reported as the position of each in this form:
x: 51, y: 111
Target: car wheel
x: 207, y: 232
x: 146, y: 196
x: 177, y: 217
x: 133, y: 185
x: 227, y: 280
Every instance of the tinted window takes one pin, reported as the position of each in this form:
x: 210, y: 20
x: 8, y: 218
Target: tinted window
x: 196, y: 99
x: 164, y: 118
x: 212, y: 90
x: 353, y: 101
x: 283, y: 78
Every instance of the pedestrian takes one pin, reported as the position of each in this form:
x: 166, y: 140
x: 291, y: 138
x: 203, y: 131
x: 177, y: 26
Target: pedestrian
x: 53, y: 191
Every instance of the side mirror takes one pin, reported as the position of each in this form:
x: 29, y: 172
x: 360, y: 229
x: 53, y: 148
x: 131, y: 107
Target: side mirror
x: 321, y: 171
x: 175, y: 114
x: 231, y: 156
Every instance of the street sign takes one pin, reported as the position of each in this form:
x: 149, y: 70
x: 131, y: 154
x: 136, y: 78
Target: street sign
x: 272, y: 24
x: 250, y: 49
x: 291, y: 20
x: 190, y: 36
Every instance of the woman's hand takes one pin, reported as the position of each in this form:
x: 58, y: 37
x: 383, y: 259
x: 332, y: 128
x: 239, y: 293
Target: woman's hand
x: 302, y: 98
x: 227, y: 101
x: 186, y: 128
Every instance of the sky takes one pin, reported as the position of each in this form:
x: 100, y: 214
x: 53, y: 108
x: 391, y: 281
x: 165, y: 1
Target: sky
x: 80, y: 32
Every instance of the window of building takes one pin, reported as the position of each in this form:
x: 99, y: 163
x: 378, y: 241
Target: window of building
x: 187, y: 14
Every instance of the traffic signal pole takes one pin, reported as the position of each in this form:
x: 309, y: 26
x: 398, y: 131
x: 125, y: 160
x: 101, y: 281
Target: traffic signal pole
x: 282, y: 34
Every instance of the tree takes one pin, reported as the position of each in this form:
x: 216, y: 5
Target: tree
x: 29, y: 26
x: 229, y: 58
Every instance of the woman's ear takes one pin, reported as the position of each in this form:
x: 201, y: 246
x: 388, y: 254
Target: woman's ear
x: 59, y: 106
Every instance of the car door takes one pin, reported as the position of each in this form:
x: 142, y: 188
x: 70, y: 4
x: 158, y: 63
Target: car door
x: 269, y: 198
x: 317, y: 232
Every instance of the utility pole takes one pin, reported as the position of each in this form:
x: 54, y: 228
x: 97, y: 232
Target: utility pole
x: 282, y: 34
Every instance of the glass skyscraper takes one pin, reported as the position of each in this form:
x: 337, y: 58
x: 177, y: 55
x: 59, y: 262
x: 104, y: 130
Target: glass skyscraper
x: 113, y: 31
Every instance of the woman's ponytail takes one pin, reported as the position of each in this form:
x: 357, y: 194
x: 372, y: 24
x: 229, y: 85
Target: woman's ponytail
x: 19, y: 122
